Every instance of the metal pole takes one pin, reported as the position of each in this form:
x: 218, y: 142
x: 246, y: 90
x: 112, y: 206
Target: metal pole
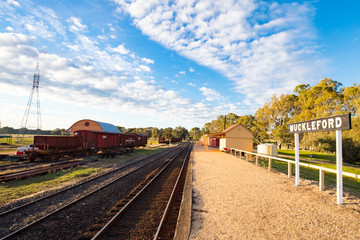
x: 297, y: 160
x: 339, y: 178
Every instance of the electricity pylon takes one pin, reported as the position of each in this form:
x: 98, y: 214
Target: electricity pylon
x: 29, y: 110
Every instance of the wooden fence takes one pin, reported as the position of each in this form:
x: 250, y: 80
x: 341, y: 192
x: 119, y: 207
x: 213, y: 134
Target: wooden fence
x: 249, y: 157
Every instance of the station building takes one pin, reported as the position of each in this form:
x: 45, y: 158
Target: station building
x: 237, y: 136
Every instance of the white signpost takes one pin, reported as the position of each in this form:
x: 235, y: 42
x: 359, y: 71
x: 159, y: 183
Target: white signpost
x: 334, y: 123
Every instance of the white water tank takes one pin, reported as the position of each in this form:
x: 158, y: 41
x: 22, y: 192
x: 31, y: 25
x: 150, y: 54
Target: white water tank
x: 267, y: 149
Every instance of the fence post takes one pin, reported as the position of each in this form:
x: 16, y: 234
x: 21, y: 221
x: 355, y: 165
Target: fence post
x: 289, y: 170
x: 247, y: 157
x: 257, y: 160
x: 269, y: 163
x: 321, y: 180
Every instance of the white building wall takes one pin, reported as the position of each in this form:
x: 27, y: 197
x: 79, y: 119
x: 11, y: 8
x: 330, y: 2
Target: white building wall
x: 222, y: 144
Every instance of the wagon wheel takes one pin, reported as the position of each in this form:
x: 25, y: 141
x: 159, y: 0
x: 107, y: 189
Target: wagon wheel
x: 47, y: 158
x: 32, y: 157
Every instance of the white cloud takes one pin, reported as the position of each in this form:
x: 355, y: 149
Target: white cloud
x: 192, y: 84
x: 120, y: 49
x: 112, y: 36
x: 144, y: 68
x: 10, y: 29
x: 148, y: 61
x: 13, y: 2
x: 257, y: 44
x: 191, y: 70
x: 76, y: 26
x: 210, y: 94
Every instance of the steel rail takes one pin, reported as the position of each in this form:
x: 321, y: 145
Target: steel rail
x: 172, y: 196
x: 40, y: 170
x: 103, y: 230
x: 75, y: 201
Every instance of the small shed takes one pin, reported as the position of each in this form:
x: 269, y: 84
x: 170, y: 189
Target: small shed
x: 237, y: 136
x: 91, y: 125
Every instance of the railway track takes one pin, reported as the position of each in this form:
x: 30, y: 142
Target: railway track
x: 151, y: 210
x: 28, y: 164
x: 40, y: 170
x: 85, y: 195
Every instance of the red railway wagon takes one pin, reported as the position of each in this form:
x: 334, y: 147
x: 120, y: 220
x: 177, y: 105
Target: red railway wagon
x: 101, y: 140
x: 214, y: 142
x: 55, y: 147
x: 174, y: 140
x: 58, y: 143
x: 128, y: 140
x: 142, y: 140
x: 162, y: 140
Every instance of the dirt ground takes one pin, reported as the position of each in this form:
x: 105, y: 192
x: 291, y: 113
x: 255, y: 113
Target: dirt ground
x: 234, y: 199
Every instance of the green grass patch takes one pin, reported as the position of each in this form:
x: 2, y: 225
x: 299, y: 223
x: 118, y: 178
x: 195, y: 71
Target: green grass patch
x: 21, y: 188
x: 310, y: 155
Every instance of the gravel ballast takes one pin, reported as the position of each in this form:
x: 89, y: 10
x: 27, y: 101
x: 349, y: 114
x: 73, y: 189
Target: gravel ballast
x: 234, y: 199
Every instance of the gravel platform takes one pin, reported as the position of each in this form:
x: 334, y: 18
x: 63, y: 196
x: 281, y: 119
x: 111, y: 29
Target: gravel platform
x: 234, y: 199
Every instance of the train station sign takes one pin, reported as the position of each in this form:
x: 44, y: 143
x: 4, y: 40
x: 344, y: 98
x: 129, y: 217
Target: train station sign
x: 339, y: 122
x: 334, y: 123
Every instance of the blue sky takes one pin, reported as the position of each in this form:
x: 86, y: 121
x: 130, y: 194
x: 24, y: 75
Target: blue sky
x: 168, y: 63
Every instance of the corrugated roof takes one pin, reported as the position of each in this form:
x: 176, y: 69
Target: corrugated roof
x: 107, y: 127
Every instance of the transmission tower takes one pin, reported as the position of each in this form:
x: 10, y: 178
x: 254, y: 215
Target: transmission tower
x: 25, y: 123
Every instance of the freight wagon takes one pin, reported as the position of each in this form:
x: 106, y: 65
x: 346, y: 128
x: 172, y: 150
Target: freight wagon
x: 84, y: 142
x: 162, y: 140
x: 174, y: 140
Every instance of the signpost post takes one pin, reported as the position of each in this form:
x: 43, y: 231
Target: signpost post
x: 297, y: 160
x: 333, y: 123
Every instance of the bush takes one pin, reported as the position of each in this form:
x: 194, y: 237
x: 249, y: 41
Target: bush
x: 351, y: 151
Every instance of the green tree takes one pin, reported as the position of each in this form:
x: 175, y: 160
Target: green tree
x: 167, y: 132
x: 322, y: 100
x: 247, y: 120
x: 131, y: 130
x: 205, y: 129
x: 180, y: 132
x: 155, y: 133
x: 148, y: 131
x: 231, y: 119
x: 195, y: 133
x: 58, y: 131
x: 121, y: 129
x: 352, y: 99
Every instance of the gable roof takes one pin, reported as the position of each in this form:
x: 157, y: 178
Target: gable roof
x: 234, y: 126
